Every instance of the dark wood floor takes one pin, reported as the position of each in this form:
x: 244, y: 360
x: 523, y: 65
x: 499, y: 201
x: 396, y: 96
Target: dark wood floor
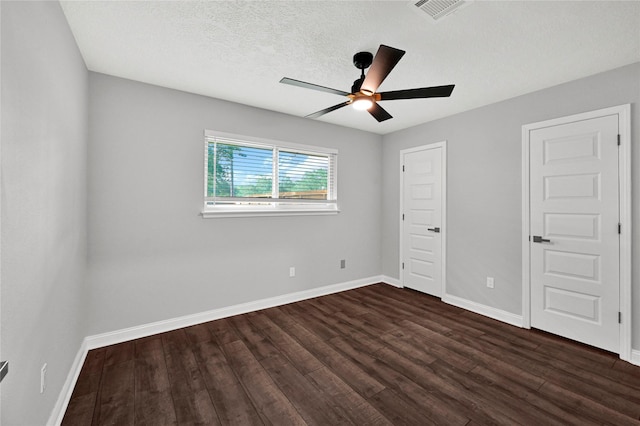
x: 374, y: 355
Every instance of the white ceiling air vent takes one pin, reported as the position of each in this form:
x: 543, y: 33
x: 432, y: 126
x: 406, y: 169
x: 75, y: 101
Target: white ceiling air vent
x: 438, y: 9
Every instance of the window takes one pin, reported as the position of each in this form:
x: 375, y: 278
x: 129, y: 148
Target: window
x: 246, y: 176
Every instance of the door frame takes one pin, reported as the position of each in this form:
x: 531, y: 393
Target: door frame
x: 624, y: 178
x: 443, y: 226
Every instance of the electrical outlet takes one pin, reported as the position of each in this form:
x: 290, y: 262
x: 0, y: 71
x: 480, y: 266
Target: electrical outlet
x: 43, y: 378
x: 343, y: 264
x: 490, y: 282
x: 292, y: 271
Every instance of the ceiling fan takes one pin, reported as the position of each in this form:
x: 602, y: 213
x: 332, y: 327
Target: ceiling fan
x: 363, y: 92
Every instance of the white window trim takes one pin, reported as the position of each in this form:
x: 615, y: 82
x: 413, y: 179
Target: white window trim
x: 266, y: 208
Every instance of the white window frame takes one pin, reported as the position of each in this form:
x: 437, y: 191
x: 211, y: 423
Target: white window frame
x: 271, y: 207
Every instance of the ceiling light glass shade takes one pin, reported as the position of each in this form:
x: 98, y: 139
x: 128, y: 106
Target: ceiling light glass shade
x: 362, y: 103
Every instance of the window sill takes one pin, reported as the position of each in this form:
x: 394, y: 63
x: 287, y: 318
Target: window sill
x: 225, y: 212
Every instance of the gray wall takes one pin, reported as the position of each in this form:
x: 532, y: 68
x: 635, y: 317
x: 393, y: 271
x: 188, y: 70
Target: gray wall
x: 484, y: 184
x: 44, y: 139
x: 152, y: 257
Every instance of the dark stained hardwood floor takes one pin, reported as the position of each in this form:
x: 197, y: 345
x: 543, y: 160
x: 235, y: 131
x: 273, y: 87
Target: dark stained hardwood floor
x: 376, y: 355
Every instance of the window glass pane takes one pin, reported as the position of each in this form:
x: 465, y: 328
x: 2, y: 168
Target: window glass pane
x: 302, y: 176
x: 244, y: 176
x: 240, y: 171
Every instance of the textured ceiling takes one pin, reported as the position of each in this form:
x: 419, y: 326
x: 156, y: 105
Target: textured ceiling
x: 239, y: 51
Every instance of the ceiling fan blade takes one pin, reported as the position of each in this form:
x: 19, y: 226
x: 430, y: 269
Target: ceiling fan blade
x: 386, y: 58
x: 312, y: 86
x: 327, y: 110
x: 424, y: 92
x: 379, y: 113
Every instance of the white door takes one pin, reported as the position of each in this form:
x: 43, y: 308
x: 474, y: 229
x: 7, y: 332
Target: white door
x: 574, y: 242
x: 422, y: 219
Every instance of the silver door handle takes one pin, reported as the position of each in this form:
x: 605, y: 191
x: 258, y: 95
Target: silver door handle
x: 539, y: 239
x: 4, y: 369
x: 434, y: 229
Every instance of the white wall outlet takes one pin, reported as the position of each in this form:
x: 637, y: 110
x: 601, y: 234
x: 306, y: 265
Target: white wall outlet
x: 490, y: 282
x: 43, y: 378
x: 292, y: 271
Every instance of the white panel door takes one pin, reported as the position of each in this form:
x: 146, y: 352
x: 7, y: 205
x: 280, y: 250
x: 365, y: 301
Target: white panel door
x: 422, y: 220
x: 574, y: 243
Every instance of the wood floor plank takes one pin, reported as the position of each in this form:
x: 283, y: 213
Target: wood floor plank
x: 300, y: 358
x: 398, y: 410
x: 450, y: 394
x: 326, y: 304
x: 154, y: 408
x: 433, y: 347
x: 80, y: 410
x: 344, y: 305
x: 253, y: 337
x: 182, y: 367
x: 350, y: 403
x: 198, y: 333
x: 519, y: 410
x: 270, y: 402
x: 376, y: 355
x: 229, y: 397
x: 395, y: 312
x: 312, y: 405
x: 191, y: 400
x: 117, y: 393
x: 466, y: 357
x: 90, y: 374
x: 585, y: 406
x: 438, y: 411
x: 222, y: 331
x: 299, y: 312
x: 194, y: 408
x: 150, y: 367
x: 116, y: 354
x: 625, y: 399
x: 344, y: 368
x: 555, y: 409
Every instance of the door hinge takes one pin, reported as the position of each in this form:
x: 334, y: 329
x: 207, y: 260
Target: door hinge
x: 618, y: 140
x: 402, y: 265
x: 403, y: 167
x: 402, y: 216
x: 619, y: 228
x: 619, y: 317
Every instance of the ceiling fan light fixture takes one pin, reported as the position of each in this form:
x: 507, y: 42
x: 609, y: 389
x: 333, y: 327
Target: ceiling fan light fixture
x: 362, y: 102
x: 367, y: 99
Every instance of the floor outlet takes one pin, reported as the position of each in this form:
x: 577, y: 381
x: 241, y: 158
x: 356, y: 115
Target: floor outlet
x: 43, y: 378
x: 490, y: 282
x: 292, y: 271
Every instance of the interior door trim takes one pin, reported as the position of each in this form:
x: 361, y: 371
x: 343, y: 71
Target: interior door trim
x: 443, y: 231
x: 624, y: 178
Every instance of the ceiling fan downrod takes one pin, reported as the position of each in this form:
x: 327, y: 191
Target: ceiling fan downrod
x: 362, y: 61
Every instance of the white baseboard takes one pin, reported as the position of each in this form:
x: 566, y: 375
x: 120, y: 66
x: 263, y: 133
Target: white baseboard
x: 485, y: 310
x: 67, y: 389
x: 137, y: 332
x: 119, y: 336
x: 391, y: 281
